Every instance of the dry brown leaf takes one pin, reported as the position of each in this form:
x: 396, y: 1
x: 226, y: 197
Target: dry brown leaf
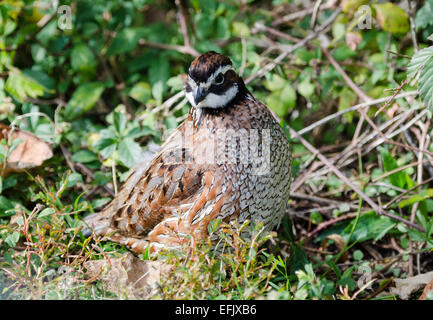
x: 353, y: 39
x: 127, y: 275
x: 405, y: 287
x: 392, y: 111
x: 339, y: 243
x: 427, y: 289
x: 30, y: 153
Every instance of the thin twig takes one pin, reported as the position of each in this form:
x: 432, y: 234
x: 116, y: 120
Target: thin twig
x: 300, y: 14
x: 387, y: 174
x: 366, y: 98
x: 81, y: 167
x: 412, y: 26
x: 298, y: 45
x: 184, y: 27
x: 400, y: 196
x: 354, y: 108
x: 321, y: 200
x: 259, y: 26
x: 419, y: 180
x: 392, y: 98
x: 315, y: 12
x: 349, y: 183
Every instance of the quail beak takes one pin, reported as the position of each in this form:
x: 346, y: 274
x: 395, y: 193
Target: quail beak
x: 199, y: 95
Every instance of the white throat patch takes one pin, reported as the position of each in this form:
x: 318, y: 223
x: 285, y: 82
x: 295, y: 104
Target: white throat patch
x: 215, y: 101
x: 212, y: 100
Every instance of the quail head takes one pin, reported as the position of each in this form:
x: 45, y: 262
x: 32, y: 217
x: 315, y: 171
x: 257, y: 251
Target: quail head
x: 228, y: 160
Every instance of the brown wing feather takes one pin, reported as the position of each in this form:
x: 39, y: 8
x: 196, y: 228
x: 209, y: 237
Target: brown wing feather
x: 168, y: 185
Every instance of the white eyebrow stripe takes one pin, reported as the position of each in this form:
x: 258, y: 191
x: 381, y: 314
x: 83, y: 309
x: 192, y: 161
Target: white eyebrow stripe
x: 223, y: 70
x: 192, y: 83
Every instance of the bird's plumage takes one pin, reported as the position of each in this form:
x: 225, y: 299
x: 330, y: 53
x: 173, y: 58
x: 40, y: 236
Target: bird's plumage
x: 227, y: 162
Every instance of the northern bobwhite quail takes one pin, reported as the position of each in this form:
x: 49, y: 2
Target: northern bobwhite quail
x: 230, y: 159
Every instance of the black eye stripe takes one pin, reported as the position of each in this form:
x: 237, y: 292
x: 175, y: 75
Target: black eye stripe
x: 220, y: 89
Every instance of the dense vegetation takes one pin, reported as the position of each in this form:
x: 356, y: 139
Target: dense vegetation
x: 98, y: 82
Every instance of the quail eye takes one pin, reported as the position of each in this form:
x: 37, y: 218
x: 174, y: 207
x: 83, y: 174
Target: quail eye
x: 219, y: 79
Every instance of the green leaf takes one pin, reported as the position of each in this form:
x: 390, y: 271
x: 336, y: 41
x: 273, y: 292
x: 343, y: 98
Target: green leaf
x: 424, y: 15
x: 416, y: 235
x: 46, y: 212
x: 137, y: 132
x: 282, y: 101
x: 12, y: 239
x: 21, y: 86
x: 425, y: 85
x: 119, y: 122
x: 422, y: 62
x: 306, y: 88
x: 158, y: 91
x: 82, y: 58
x: 41, y: 78
x: 170, y: 122
x: 125, y: 40
x: 358, y: 255
x: 141, y: 92
x: 98, y: 203
x: 84, y: 156
x: 240, y: 29
x: 5, y: 206
x: 343, y: 52
x: 350, y: 6
x: 73, y: 179
x: 275, y: 82
x: 129, y: 152
x: 397, y: 179
x: 371, y: 226
x: 159, y: 72
x: 392, y: 18
x: 38, y: 53
x: 423, y: 195
x: 418, y: 61
x: 106, y: 147
x: 83, y: 99
x: 346, y: 278
x: 346, y: 99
